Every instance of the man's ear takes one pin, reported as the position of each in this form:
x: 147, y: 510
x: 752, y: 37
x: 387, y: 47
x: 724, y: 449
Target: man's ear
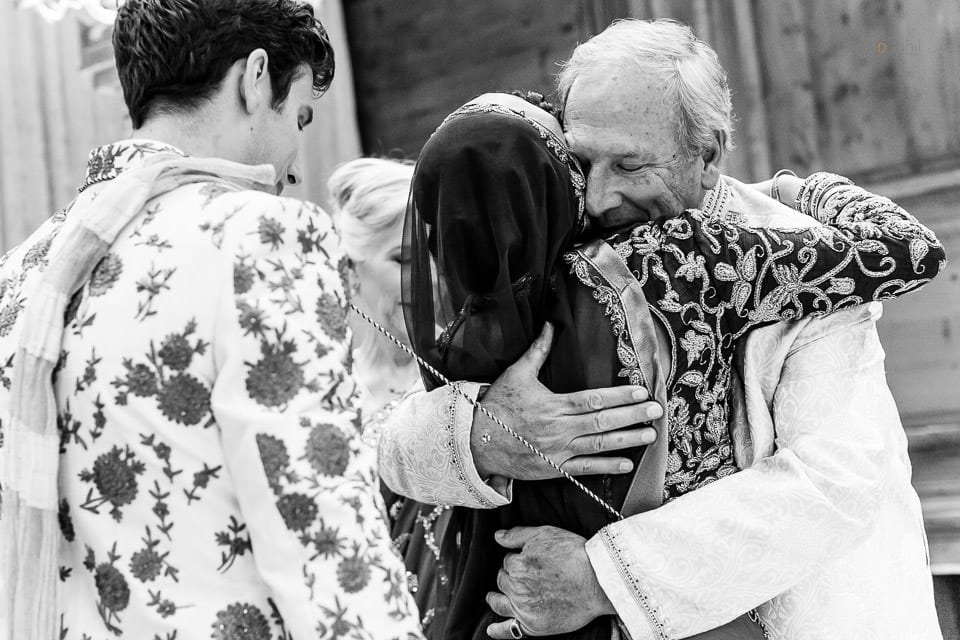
x: 712, y: 158
x: 255, y: 88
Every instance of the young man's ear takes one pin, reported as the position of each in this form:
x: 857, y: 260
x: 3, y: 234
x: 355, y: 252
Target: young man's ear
x: 255, y: 88
x: 712, y: 158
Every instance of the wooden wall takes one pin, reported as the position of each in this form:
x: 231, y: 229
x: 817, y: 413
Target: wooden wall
x: 415, y: 61
x: 867, y: 88
x: 51, y: 115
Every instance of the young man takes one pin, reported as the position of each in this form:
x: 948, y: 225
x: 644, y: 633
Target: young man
x: 177, y: 333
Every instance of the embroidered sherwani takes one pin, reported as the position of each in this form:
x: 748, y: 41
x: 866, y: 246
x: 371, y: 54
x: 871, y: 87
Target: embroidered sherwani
x: 212, y: 480
x: 823, y: 523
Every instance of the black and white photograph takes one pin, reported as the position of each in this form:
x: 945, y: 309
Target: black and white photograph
x: 479, y: 320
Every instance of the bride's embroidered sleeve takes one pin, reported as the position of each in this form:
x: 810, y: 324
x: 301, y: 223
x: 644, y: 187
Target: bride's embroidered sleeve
x: 424, y: 447
x: 866, y: 249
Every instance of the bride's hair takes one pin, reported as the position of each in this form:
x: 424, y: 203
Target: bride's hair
x: 537, y: 99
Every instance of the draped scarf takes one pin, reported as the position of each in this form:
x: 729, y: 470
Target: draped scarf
x: 29, y: 458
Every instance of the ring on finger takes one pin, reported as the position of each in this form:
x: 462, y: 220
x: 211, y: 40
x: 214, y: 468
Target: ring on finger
x: 515, y: 631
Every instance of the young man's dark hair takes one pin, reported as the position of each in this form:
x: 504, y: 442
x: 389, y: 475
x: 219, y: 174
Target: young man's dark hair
x: 173, y: 54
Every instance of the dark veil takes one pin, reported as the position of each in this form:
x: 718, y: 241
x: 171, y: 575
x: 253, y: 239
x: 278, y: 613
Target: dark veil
x: 495, y: 202
x: 491, y: 211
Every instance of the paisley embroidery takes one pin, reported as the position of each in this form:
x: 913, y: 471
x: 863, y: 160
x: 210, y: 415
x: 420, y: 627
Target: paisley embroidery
x: 713, y: 281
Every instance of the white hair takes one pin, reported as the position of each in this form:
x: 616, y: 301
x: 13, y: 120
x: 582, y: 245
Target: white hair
x: 368, y: 196
x: 668, y: 51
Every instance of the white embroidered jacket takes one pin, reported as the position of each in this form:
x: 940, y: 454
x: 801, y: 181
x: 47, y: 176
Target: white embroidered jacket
x: 212, y: 480
x: 821, y: 530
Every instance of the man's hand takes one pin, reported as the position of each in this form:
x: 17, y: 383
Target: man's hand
x: 570, y: 429
x: 549, y: 587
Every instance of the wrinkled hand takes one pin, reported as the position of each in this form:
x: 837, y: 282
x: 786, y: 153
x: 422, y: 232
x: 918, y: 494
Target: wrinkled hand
x: 549, y: 587
x: 569, y: 428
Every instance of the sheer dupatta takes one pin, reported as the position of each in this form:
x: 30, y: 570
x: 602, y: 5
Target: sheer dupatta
x: 492, y: 209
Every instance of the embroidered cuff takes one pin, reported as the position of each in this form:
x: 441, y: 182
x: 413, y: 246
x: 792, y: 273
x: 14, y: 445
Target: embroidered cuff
x: 637, y: 611
x: 500, y: 490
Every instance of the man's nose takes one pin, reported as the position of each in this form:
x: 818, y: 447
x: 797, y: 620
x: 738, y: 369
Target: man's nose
x: 294, y: 175
x: 602, y: 194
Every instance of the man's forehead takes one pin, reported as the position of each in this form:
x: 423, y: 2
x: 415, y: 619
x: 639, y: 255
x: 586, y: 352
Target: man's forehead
x: 604, y: 94
x: 602, y: 115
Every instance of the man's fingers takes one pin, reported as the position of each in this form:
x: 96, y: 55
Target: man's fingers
x: 592, y: 400
x: 501, y: 630
x: 512, y: 563
x: 596, y: 465
x: 613, y: 440
x: 534, y: 357
x: 504, y: 582
x: 500, y: 604
x: 617, y: 417
x: 516, y: 537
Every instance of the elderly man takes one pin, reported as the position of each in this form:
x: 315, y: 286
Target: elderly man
x: 821, y: 530
x: 179, y: 454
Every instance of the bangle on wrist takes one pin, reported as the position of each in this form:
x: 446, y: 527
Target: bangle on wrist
x: 815, y: 188
x: 775, y: 186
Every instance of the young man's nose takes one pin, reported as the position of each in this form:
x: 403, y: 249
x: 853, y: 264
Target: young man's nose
x: 294, y: 175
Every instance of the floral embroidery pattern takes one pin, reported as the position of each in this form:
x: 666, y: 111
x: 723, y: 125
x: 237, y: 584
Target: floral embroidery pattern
x: 114, y: 476
x: 180, y: 396
x: 241, y: 621
x: 105, y: 274
x: 162, y: 409
x: 276, y: 378
x: 112, y: 588
x: 710, y: 282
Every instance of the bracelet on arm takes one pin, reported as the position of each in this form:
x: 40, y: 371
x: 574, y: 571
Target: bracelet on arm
x: 775, y: 186
x: 812, y: 193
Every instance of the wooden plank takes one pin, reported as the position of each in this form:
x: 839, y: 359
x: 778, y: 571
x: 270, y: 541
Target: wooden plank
x: 861, y: 127
x: 415, y: 61
x: 25, y: 198
x: 924, y: 45
x: 918, y: 185
x: 787, y: 81
x: 76, y: 88
x: 921, y: 333
x: 746, y: 82
x: 938, y: 436
x: 944, y: 553
x: 61, y: 170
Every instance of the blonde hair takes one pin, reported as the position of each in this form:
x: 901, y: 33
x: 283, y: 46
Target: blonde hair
x: 368, y: 196
x: 668, y: 51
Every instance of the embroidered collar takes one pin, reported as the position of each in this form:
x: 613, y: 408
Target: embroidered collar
x: 716, y: 204
x: 110, y: 160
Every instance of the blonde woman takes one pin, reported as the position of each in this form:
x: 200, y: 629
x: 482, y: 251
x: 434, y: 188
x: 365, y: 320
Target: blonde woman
x: 368, y: 201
